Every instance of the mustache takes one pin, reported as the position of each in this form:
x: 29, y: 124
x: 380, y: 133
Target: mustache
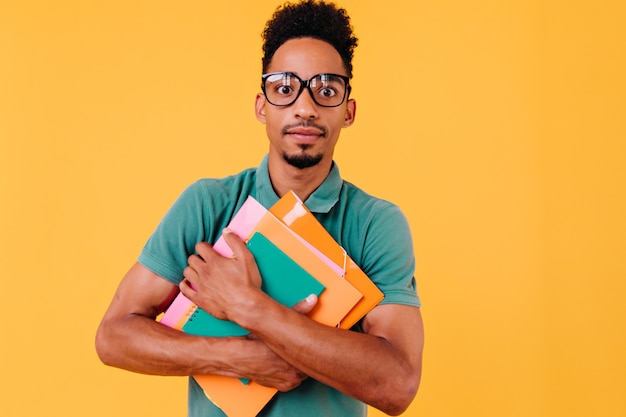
x: 285, y: 130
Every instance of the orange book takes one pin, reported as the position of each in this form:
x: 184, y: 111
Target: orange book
x: 233, y: 397
x: 293, y: 213
x: 339, y: 297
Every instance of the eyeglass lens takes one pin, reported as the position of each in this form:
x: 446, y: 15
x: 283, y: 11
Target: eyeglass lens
x: 282, y: 89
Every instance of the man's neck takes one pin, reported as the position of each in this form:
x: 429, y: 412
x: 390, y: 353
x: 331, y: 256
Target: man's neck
x: 302, y: 182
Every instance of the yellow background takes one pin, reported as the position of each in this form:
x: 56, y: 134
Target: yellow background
x: 497, y: 126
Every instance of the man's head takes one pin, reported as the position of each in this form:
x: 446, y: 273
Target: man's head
x: 307, y: 68
x: 312, y: 19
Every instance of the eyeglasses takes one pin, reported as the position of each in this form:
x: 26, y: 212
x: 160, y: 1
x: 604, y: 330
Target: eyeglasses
x: 284, y: 88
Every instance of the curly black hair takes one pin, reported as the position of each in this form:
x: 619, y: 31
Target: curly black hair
x: 310, y: 18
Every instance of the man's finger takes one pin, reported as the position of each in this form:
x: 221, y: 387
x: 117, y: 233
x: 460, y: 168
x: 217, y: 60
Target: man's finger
x: 186, y: 287
x: 305, y: 306
x: 204, y: 251
x: 235, y: 243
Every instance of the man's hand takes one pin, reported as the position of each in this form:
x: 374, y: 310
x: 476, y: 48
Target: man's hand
x: 220, y: 285
x: 260, y: 364
x: 269, y: 369
x: 224, y: 286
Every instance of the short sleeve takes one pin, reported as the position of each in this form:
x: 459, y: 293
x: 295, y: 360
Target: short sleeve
x: 388, y: 256
x: 166, y: 251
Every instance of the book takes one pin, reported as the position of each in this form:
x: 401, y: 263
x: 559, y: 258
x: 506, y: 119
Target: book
x: 281, y: 278
x: 340, y: 295
x: 291, y: 211
x: 252, y: 216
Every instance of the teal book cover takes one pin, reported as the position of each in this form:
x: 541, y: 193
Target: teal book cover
x: 282, y: 279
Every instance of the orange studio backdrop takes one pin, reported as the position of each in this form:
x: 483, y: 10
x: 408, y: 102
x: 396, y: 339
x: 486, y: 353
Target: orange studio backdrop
x: 497, y: 126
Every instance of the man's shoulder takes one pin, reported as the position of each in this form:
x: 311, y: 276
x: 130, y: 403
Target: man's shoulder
x: 224, y: 187
x: 216, y: 195
x: 246, y: 176
x: 359, y: 199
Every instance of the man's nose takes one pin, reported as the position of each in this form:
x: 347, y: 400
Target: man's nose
x: 305, y: 107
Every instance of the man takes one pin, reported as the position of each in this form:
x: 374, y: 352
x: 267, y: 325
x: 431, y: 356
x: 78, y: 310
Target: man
x: 319, y: 370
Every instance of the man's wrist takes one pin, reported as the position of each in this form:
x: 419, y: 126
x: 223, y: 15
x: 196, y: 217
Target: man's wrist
x: 252, y: 309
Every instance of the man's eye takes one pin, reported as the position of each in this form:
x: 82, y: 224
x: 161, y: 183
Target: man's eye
x: 327, y: 92
x: 284, y: 90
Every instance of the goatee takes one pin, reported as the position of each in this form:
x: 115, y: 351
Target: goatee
x: 302, y: 160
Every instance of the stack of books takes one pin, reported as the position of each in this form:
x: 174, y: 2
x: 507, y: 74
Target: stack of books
x: 296, y: 257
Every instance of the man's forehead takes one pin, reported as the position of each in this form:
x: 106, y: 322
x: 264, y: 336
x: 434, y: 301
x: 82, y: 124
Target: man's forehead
x: 306, y: 57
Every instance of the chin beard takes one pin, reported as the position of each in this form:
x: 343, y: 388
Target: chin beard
x: 302, y: 160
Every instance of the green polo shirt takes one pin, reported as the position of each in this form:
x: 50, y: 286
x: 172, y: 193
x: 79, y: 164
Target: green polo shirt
x: 374, y: 233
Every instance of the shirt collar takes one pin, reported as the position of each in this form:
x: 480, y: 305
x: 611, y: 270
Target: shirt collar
x: 321, y: 201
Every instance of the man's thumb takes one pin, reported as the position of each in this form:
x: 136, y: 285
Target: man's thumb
x: 305, y: 306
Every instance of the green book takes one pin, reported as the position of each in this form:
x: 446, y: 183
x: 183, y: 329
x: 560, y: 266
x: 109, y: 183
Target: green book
x: 282, y: 279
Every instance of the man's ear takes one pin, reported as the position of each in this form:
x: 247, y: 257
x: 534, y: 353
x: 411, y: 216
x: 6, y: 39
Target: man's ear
x: 259, y: 107
x: 350, y: 113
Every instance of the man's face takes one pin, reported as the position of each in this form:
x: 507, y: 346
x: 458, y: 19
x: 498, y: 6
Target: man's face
x: 304, y: 133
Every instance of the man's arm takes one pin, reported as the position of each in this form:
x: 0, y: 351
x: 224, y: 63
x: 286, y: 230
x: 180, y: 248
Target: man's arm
x: 130, y: 338
x: 381, y: 367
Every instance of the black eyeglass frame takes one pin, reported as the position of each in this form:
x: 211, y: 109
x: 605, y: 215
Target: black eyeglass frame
x: 306, y: 84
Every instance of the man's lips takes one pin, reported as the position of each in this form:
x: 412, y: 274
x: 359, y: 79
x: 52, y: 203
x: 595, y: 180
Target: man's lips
x: 305, y: 134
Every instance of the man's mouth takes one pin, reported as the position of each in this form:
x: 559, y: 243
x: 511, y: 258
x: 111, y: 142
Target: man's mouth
x: 305, y: 133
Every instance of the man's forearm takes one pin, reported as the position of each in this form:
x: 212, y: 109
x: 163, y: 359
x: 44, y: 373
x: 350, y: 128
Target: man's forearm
x: 138, y: 343
x: 363, y: 366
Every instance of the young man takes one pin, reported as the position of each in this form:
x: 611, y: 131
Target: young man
x: 320, y: 370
